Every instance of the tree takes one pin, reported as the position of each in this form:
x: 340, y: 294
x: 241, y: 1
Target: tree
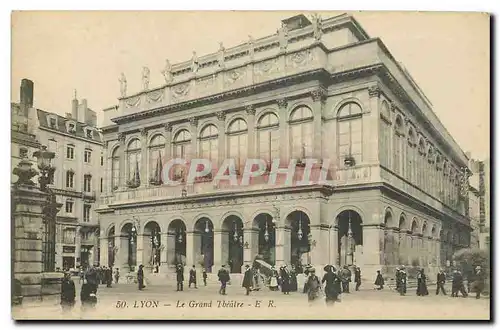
x: 467, y: 259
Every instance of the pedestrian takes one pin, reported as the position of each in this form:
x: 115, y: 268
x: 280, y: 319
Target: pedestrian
x: 402, y: 281
x: 379, y: 281
x: 331, y: 286
x: 440, y: 281
x: 117, y: 275
x: 306, y: 274
x: 346, y: 278
x: 257, y: 280
x: 180, y: 277
x: 92, y: 278
x: 273, y: 283
x: 293, y: 279
x: 478, y: 284
x: 140, y: 277
x: 223, y: 276
x: 357, y: 277
x: 192, y: 277
x: 285, y: 280
x: 109, y: 277
x: 204, y: 273
x: 398, y: 278
x: 81, y: 275
x: 247, y: 280
x: 313, y: 286
x: 422, y: 283
x: 88, y: 296
x: 68, y: 293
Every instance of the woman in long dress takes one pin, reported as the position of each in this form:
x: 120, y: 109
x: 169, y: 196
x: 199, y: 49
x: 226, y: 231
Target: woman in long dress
x: 313, y: 287
x: 273, y: 283
x: 422, y: 284
x: 331, y: 287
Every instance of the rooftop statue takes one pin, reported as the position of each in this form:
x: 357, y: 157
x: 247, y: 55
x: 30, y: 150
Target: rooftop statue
x: 167, y: 72
x: 145, y: 77
x: 123, y: 85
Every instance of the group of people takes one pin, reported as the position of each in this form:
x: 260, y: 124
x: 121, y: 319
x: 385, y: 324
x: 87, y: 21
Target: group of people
x: 105, y: 275
x: 90, y: 280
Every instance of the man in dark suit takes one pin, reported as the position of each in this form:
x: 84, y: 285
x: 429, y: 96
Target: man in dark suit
x: 441, y: 280
x: 180, y: 277
x: 247, y: 280
x: 223, y: 275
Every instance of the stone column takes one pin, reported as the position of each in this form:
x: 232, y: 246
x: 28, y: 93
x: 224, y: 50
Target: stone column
x: 283, y: 243
x: 168, y: 143
x: 194, y: 137
x: 283, y: 131
x: 123, y: 156
x: 250, y: 245
x: 220, y: 238
x: 371, y: 132
x: 168, y: 253
x: 221, y: 117
x: 373, y: 235
x: 319, y: 255
x: 191, y: 248
x: 78, y: 245
x: 144, y: 166
x: 139, y: 250
x: 251, y: 131
x: 103, y: 257
x: 27, y: 209
x: 318, y: 97
x: 333, y: 245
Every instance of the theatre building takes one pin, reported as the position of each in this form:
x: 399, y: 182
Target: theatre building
x: 318, y: 88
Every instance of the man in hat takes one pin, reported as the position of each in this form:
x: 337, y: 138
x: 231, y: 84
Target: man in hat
x: 346, y: 279
x: 357, y: 277
x: 313, y: 286
x: 180, y: 277
x: 332, y: 287
x: 192, y: 277
x: 223, y: 276
x: 398, y: 279
x: 402, y: 281
x: 247, y: 279
x: 479, y: 278
x: 441, y: 280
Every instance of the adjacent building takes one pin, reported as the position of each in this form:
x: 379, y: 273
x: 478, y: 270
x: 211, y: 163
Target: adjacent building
x: 78, y: 178
x: 319, y: 88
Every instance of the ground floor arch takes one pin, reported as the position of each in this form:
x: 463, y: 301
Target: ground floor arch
x: 152, y: 244
x: 350, y: 237
x: 232, y: 243
x: 300, y: 236
x: 203, y: 240
x: 265, y: 224
x: 176, y: 243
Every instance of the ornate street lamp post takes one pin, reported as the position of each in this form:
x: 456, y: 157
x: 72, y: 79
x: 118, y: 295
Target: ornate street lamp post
x: 51, y: 208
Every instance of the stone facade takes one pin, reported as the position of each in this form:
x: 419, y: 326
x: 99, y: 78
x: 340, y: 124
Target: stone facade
x: 324, y: 90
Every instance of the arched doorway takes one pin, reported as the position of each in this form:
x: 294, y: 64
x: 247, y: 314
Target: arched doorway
x: 267, y: 237
x: 176, y: 243
x: 111, y: 246
x: 152, y: 246
x: 390, y: 253
x: 232, y: 243
x: 403, y: 257
x: 300, y: 232
x: 414, y: 244
x: 350, y: 237
x: 129, y: 245
x: 204, y: 243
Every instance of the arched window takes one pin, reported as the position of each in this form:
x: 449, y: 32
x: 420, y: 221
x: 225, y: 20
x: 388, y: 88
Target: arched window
x: 385, y: 134
x: 182, y: 150
x: 209, y: 144
x: 115, y: 168
x: 268, y: 137
x: 134, y: 163
x: 410, y: 155
x: 398, y: 145
x: 421, y: 163
x: 349, y: 130
x: 156, y: 161
x: 238, y: 143
x: 301, y: 133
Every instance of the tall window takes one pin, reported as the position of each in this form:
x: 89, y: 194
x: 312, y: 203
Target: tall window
x: 86, y: 155
x: 182, y: 150
x: 86, y: 212
x: 209, y: 144
x: 70, y: 179
x: 69, y: 206
x: 410, y: 168
x: 115, y: 169
x: 268, y: 143
x: 350, y: 132
x: 398, y: 145
x: 238, y: 143
x: 156, y: 152
x: 87, y: 180
x: 70, y: 152
x: 385, y: 134
x: 301, y: 132
x: 69, y: 236
x: 421, y: 163
x: 134, y: 161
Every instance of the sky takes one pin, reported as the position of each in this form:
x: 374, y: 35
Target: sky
x: 447, y: 54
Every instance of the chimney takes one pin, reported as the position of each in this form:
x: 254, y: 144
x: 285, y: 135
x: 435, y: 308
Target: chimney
x: 26, y: 95
x: 74, y: 108
x: 82, y: 111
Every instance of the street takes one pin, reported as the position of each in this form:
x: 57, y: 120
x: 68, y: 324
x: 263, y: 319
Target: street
x: 125, y: 301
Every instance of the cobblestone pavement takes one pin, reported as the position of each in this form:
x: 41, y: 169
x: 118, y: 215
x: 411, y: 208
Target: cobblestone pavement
x: 124, y: 301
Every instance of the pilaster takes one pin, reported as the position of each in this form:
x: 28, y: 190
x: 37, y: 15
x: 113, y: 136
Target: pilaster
x: 194, y: 137
x: 168, y: 142
x: 318, y: 97
x: 144, y: 157
x: 123, y: 155
x: 221, y: 118
x: 283, y: 243
x: 250, y: 245
x: 373, y: 235
x: 283, y: 131
x: 250, y: 110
